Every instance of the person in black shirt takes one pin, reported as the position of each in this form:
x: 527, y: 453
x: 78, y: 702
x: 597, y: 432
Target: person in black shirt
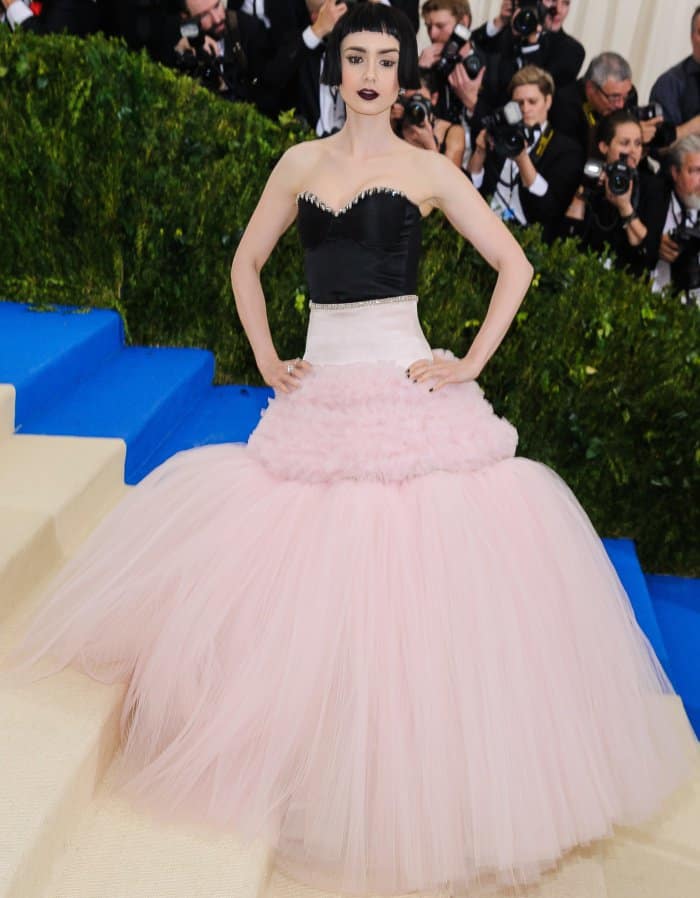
x: 678, y: 89
x: 631, y: 223
x: 548, y: 47
x: 536, y: 185
x: 605, y: 88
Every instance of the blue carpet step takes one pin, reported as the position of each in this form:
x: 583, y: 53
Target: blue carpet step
x: 45, y: 353
x: 623, y: 554
x: 139, y: 394
x: 677, y: 604
x: 225, y: 415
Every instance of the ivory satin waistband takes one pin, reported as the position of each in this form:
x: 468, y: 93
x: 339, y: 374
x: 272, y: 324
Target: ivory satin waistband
x: 375, y: 330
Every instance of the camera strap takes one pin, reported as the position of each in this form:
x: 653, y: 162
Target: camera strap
x: 540, y: 147
x: 237, y: 52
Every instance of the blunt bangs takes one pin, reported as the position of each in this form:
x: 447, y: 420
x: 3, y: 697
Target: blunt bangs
x: 381, y: 19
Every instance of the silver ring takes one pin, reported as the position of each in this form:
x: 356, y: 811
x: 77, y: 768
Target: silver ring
x: 290, y: 368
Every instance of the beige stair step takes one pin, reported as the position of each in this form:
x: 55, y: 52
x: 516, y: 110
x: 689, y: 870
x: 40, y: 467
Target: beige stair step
x: 53, y: 491
x: 72, y: 479
x: 58, y: 737
x: 7, y: 410
x: 119, y: 852
x: 28, y: 550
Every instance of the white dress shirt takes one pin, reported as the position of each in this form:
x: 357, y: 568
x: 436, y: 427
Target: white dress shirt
x: 506, y: 197
x: 675, y: 216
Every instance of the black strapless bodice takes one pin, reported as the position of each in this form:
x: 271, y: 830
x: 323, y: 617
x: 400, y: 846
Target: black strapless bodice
x: 369, y: 249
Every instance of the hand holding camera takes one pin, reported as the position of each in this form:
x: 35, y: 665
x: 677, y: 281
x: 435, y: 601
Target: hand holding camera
x: 466, y: 88
x: 508, y: 134
x: 459, y: 49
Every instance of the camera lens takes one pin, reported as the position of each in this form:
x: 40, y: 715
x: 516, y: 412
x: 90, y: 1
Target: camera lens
x: 525, y: 22
x: 619, y: 182
x: 472, y: 65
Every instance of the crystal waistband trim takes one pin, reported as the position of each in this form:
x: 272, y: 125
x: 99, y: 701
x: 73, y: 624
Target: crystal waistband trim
x: 329, y: 306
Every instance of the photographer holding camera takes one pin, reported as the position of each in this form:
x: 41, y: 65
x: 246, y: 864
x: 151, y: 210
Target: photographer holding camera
x: 620, y: 204
x: 458, y: 67
x: 413, y: 119
x: 211, y: 49
x: 528, y: 32
x: 605, y: 88
x: 529, y: 170
x: 679, y: 249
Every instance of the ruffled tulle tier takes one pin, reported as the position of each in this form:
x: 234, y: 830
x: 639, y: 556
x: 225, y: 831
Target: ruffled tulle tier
x: 399, y: 684
x: 372, y: 422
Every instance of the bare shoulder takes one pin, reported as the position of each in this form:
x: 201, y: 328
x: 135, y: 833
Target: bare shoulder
x: 299, y: 161
x: 436, y: 179
x: 445, y: 184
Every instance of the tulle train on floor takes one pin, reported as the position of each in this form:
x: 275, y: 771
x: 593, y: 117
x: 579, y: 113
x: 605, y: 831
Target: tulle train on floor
x: 401, y: 678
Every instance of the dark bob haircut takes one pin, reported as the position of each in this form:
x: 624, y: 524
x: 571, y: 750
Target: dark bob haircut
x: 383, y: 20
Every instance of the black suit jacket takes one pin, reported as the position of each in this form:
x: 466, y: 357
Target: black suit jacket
x: 557, y: 52
x: 571, y: 114
x: 560, y: 164
x: 602, y: 225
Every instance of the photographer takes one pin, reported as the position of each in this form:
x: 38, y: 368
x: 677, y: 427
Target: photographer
x: 232, y: 53
x: 623, y: 206
x: 679, y: 249
x: 528, y: 32
x: 529, y: 170
x: 447, y: 23
x: 678, y: 89
x: 210, y: 49
x: 605, y: 88
x: 413, y: 119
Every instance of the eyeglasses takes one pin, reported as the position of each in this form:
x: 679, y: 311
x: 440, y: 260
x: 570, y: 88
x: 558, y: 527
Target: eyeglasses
x: 612, y: 98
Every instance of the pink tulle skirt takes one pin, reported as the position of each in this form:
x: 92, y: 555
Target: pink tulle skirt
x: 376, y: 639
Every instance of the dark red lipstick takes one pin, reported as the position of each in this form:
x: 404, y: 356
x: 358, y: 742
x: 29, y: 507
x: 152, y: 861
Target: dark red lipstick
x: 367, y: 94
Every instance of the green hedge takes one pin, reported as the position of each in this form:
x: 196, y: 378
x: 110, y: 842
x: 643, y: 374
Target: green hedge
x: 125, y: 185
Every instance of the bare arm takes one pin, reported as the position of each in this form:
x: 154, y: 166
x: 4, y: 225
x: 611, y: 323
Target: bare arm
x: 467, y: 211
x: 275, y: 212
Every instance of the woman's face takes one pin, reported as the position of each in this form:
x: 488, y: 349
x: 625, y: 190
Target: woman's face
x: 370, y: 71
x: 534, y: 106
x: 627, y: 139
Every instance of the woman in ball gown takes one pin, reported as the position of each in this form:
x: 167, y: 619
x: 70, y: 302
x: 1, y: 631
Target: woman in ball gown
x: 373, y: 637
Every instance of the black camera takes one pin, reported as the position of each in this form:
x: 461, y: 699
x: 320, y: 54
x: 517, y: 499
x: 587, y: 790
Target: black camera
x: 685, y: 271
x: 645, y: 113
x: 665, y: 131
x: 528, y: 15
x: 619, y: 174
x: 506, y: 128
x: 417, y: 109
x: 450, y: 52
x: 197, y: 62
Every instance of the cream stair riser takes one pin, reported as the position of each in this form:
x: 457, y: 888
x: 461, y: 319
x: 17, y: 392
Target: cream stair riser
x: 119, y: 852
x: 53, y: 490
x: 7, y: 410
x: 59, y: 737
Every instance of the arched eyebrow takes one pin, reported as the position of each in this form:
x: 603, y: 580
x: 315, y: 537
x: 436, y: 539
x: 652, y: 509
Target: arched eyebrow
x: 381, y: 52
